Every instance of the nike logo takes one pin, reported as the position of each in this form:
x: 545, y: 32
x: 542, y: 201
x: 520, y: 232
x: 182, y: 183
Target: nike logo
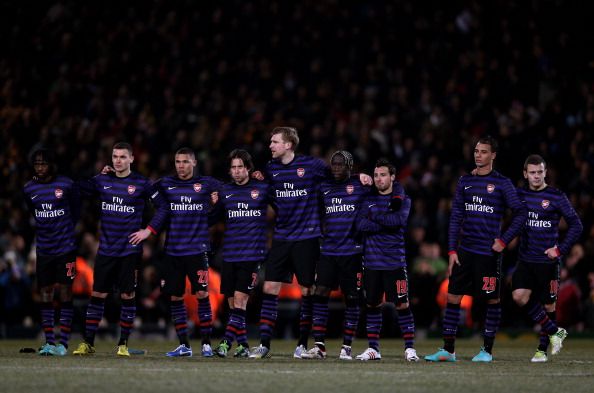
x: 491, y: 291
x: 401, y: 296
x: 34, y: 196
x: 372, y: 205
x: 228, y: 196
x: 171, y: 188
x: 106, y: 187
x: 326, y: 192
x: 250, y: 287
x: 275, y: 174
x: 467, y: 187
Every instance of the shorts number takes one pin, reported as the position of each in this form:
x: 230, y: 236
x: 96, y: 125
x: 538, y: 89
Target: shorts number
x: 401, y: 287
x: 359, y: 279
x: 202, y: 277
x: 254, y: 280
x: 489, y: 284
x: 70, y: 269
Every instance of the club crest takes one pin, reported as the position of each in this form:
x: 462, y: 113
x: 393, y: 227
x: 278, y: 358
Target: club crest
x: 197, y: 187
x: 490, y: 188
x: 545, y: 203
x: 131, y: 189
x: 255, y: 194
x: 350, y: 189
x: 300, y: 172
x: 59, y: 193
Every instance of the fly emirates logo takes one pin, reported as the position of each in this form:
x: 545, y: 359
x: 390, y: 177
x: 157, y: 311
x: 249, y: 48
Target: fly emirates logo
x: 477, y: 206
x: 534, y: 222
x: 117, y: 205
x: 290, y: 191
x: 337, y: 206
x: 243, y: 210
x: 185, y: 204
x: 48, y: 212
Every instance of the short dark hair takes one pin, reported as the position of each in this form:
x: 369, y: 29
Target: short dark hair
x: 289, y: 134
x: 489, y: 140
x: 43, y: 155
x: 384, y: 162
x: 123, y: 146
x: 244, y: 156
x: 348, y: 158
x: 534, y: 159
x: 187, y: 151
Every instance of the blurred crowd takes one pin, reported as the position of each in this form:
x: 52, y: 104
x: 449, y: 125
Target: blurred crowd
x: 400, y: 79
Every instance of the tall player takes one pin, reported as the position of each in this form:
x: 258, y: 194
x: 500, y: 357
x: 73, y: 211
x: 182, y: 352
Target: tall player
x: 123, y: 195
x: 536, y: 278
x: 54, y: 202
x: 382, y: 220
x: 475, y: 245
x: 340, y: 261
x: 243, y: 202
x: 295, y: 247
x: 189, y: 197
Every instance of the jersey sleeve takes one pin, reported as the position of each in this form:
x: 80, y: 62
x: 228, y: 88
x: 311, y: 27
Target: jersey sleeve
x: 575, y: 226
x: 519, y: 212
x: 394, y: 219
x: 456, y: 218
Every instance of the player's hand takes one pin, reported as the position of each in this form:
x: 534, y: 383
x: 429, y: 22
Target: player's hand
x: 139, y: 236
x: 553, y: 252
x: 214, y: 197
x: 107, y: 169
x: 258, y: 175
x: 453, y: 260
x: 474, y: 172
x: 498, y: 245
x: 365, y: 179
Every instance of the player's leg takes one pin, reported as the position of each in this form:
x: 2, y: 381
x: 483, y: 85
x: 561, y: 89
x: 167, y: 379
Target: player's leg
x: 304, y: 256
x: 247, y: 278
x: 374, y: 292
x: 198, y: 275
x: 128, y: 281
x: 406, y: 320
x: 46, y: 281
x: 173, y: 285
x: 351, y: 281
x: 67, y: 271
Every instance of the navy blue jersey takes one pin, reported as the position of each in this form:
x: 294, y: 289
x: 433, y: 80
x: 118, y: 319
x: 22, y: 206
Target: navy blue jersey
x: 545, y: 209
x: 188, y: 202
x: 341, y: 203
x: 55, y: 207
x: 383, y: 230
x: 123, y: 200
x: 477, y: 212
x: 295, y: 199
x: 244, y: 209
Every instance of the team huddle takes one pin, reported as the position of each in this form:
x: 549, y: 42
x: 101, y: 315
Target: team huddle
x: 333, y: 229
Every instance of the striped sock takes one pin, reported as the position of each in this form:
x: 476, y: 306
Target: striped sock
x: 406, y: 321
x: 351, y: 320
x: 374, y: 326
x: 268, y: 315
x: 305, y: 319
x: 239, y: 323
x: 94, y: 315
x: 66, y: 314
x: 544, y: 337
x: 538, y: 314
x: 179, y: 317
x: 320, y: 317
x: 205, y: 318
x: 450, y: 326
x: 47, y: 322
x: 127, y: 315
x: 492, y: 322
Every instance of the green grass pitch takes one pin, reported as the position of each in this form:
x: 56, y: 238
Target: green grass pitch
x: 571, y: 371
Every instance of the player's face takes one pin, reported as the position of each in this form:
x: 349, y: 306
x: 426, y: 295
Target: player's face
x: 41, y: 168
x: 184, y: 166
x: 535, y: 174
x: 121, y: 160
x: 340, y: 170
x: 239, y: 172
x: 383, y: 180
x: 483, y: 156
x: 278, y: 147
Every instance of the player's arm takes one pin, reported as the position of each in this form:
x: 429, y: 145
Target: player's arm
x: 88, y: 187
x: 363, y: 223
x: 152, y: 193
x: 74, y: 202
x: 396, y: 216
x: 456, y: 220
x: 574, y: 229
x: 519, y: 216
